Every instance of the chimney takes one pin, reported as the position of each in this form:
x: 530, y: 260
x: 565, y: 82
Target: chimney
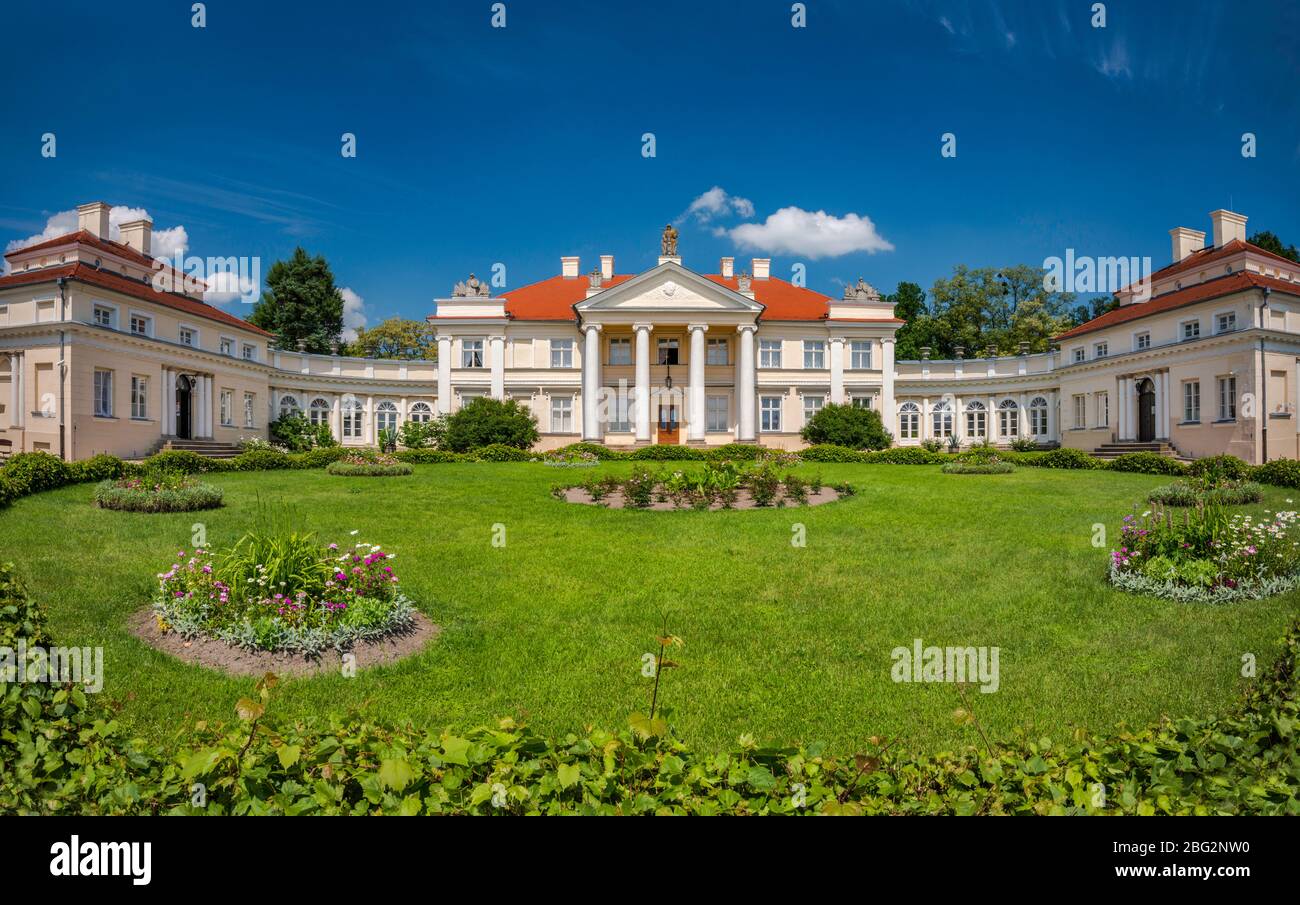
x: 606, y: 267
x: 1227, y: 226
x: 137, y: 234
x: 1186, y: 241
x: 727, y: 268
x: 762, y: 268
x: 569, y: 267
x: 93, y: 218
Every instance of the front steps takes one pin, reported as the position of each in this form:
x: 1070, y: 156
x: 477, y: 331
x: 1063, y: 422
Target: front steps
x: 1159, y: 447
x: 208, y: 448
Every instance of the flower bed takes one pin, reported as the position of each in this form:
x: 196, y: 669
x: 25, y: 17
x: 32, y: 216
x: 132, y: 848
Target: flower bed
x: 718, y: 485
x: 277, y: 590
x: 978, y: 468
x: 1203, y: 554
x: 161, y: 492
x: 1190, y: 493
x: 571, y: 458
x: 373, y: 465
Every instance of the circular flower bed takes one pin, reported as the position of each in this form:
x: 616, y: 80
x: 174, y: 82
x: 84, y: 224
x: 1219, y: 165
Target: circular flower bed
x: 1190, y: 493
x: 159, y: 492
x: 277, y: 590
x: 1203, y: 554
x: 566, y: 458
x: 978, y: 468
x: 373, y: 465
x: 718, y: 485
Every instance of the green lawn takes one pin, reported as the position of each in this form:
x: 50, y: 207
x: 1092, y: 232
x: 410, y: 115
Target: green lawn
x: 782, y: 642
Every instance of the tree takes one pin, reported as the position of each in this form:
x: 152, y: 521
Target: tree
x: 1094, y: 307
x: 982, y: 307
x: 396, y: 337
x: 301, y: 303
x: 1269, y: 242
x: 847, y: 425
x: 484, y: 421
x: 918, y: 332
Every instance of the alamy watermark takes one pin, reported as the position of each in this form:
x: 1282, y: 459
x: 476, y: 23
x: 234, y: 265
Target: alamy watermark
x: 35, y: 664
x: 1082, y: 273
x: 229, y: 277
x: 918, y: 663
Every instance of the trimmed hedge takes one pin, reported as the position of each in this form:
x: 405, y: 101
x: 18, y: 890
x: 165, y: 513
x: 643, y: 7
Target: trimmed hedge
x: 829, y: 452
x: 600, y: 451
x: 1221, y: 467
x: 1147, y: 463
x: 663, y: 452
x: 1279, y: 472
x: 499, y: 452
x: 978, y: 468
x: 428, y: 456
x: 63, y: 752
x: 1063, y: 457
x: 369, y: 469
x: 735, y: 452
x: 904, y: 455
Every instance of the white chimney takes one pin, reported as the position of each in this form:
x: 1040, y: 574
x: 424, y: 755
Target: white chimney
x: 1186, y: 241
x: 137, y: 235
x: 606, y: 267
x: 762, y: 268
x: 569, y: 267
x: 1227, y: 226
x: 93, y: 218
x: 727, y: 268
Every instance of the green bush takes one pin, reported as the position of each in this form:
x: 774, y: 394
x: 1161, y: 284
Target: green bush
x: 666, y: 452
x: 1279, y: 473
x: 1064, y: 457
x: 37, y: 471
x: 181, y: 460
x: 318, y: 457
x: 102, y: 467
x: 258, y: 460
x: 978, y: 468
x: 1220, y: 468
x: 1185, y: 493
x: 428, y: 456
x: 830, y: 452
x: 904, y: 455
x: 734, y: 452
x: 424, y: 434
x: 1147, y: 463
x: 487, y: 422
x: 847, y: 425
x: 351, y: 469
x: 499, y: 452
x: 573, y: 450
x: 297, y: 434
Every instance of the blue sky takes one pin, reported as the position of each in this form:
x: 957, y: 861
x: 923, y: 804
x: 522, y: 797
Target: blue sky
x: 478, y: 145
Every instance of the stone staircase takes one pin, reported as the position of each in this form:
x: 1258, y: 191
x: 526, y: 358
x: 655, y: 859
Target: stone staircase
x: 209, y: 448
x: 1119, y: 448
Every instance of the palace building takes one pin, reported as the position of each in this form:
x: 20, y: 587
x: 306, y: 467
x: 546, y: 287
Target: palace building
x: 1201, y: 360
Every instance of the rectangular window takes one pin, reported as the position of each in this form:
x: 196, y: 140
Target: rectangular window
x: 1227, y: 398
x: 139, y: 397
x: 1079, y: 354
x: 141, y: 325
x: 863, y: 402
x: 718, y: 415
x: 249, y: 399
x: 716, y: 352
x: 1191, y: 330
x: 562, y: 415
x: 471, y: 353
x: 1100, y: 350
x: 814, y: 354
x: 620, y: 351
x: 1225, y: 322
x: 1080, y: 411
x: 860, y: 354
x: 769, y: 353
x: 103, y: 316
x: 1103, y: 410
x: 909, y: 422
x: 227, y: 346
x: 1142, y: 341
x: 620, y: 410
x: 1192, y: 401
x: 561, y: 353
x: 769, y: 408
x: 250, y: 352
x: 976, y: 423
x: 227, y: 408
x: 811, y: 406
x: 668, y: 350
x: 186, y: 336
x: 103, y: 394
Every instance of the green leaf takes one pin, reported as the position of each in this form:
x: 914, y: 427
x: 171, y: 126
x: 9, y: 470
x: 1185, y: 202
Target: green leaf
x: 395, y: 774
x: 200, y: 762
x: 249, y: 710
x: 569, y: 775
x: 455, y: 750
x: 288, y: 755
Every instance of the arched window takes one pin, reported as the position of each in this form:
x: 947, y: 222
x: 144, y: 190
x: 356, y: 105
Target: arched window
x: 353, y: 418
x: 386, y: 416
x: 289, y: 406
x: 941, y: 415
x: 319, y: 411
x: 420, y: 412
x: 1038, y: 417
x: 1008, y: 418
x: 909, y: 421
x: 977, y: 424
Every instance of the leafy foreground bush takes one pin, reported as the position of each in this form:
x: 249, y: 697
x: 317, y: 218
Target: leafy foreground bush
x: 157, y: 493
x: 485, y: 421
x: 61, y: 751
x: 356, y: 465
x: 847, y: 425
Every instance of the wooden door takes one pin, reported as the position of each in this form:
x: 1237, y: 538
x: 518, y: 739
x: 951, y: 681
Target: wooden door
x: 669, y: 424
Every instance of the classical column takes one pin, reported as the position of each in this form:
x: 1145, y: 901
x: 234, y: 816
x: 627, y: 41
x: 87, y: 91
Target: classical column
x: 837, y: 370
x: 642, y: 382
x: 745, y: 385
x: 1162, y: 405
x: 336, y: 416
x: 591, y: 383
x: 1053, y: 409
x: 888, y: 411
x: 167, y: 413
x: 369, y: 422
x: 207, y: 406
x: 444, y: 374
x: 695, y: 427
x: 498, y: 344
x: 1130, y: 413
x: 1022, y: 417
x: 15, y: 390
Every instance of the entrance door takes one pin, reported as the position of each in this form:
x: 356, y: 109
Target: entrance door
x: 183, y: 392
x: 669, y: 428
x: 1146, y: 411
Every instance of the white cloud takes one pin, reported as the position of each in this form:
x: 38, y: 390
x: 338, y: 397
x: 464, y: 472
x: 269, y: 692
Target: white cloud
x: 165, y: 242
x: 809, y: 234
x: 225, y: 286
x: 717, y: 203
x: 354, y: 314
x: 1114, y: 61
x: 947, y: 24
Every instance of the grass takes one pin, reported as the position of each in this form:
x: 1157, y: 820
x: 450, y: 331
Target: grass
x: 787, y: 643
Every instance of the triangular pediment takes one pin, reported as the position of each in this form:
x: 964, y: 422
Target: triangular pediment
x: 669, y: 287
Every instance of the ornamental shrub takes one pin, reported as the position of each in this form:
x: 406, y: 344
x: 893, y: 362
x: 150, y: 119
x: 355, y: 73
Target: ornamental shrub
x: 101, y: 467
x: 734, y: 452
x: 500, y: 452
x: 182, y: 460
x: 428, y: 456
x: 1147, y: 463
x: 847, y: 425
x: 258, y: 460
x: 37, y: 471
x: 573, y: 450
x: 666, y: 452
x: 1279, y: 472
x: 318, y: 457
x: 904, y: 455
x: 297, y: 434
x: 1064, y: 457
x: 830, y: 452
x: 423, y: 434
x: 1220, y: 468
x: 485, y: 422
x: 363, y: 465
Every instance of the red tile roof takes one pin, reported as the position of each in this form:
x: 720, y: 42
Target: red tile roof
x: 1203, y: 257
x: 553, y: 299
x: 1225, y: 285
x: 84, y: 273
x: 84, y: 237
